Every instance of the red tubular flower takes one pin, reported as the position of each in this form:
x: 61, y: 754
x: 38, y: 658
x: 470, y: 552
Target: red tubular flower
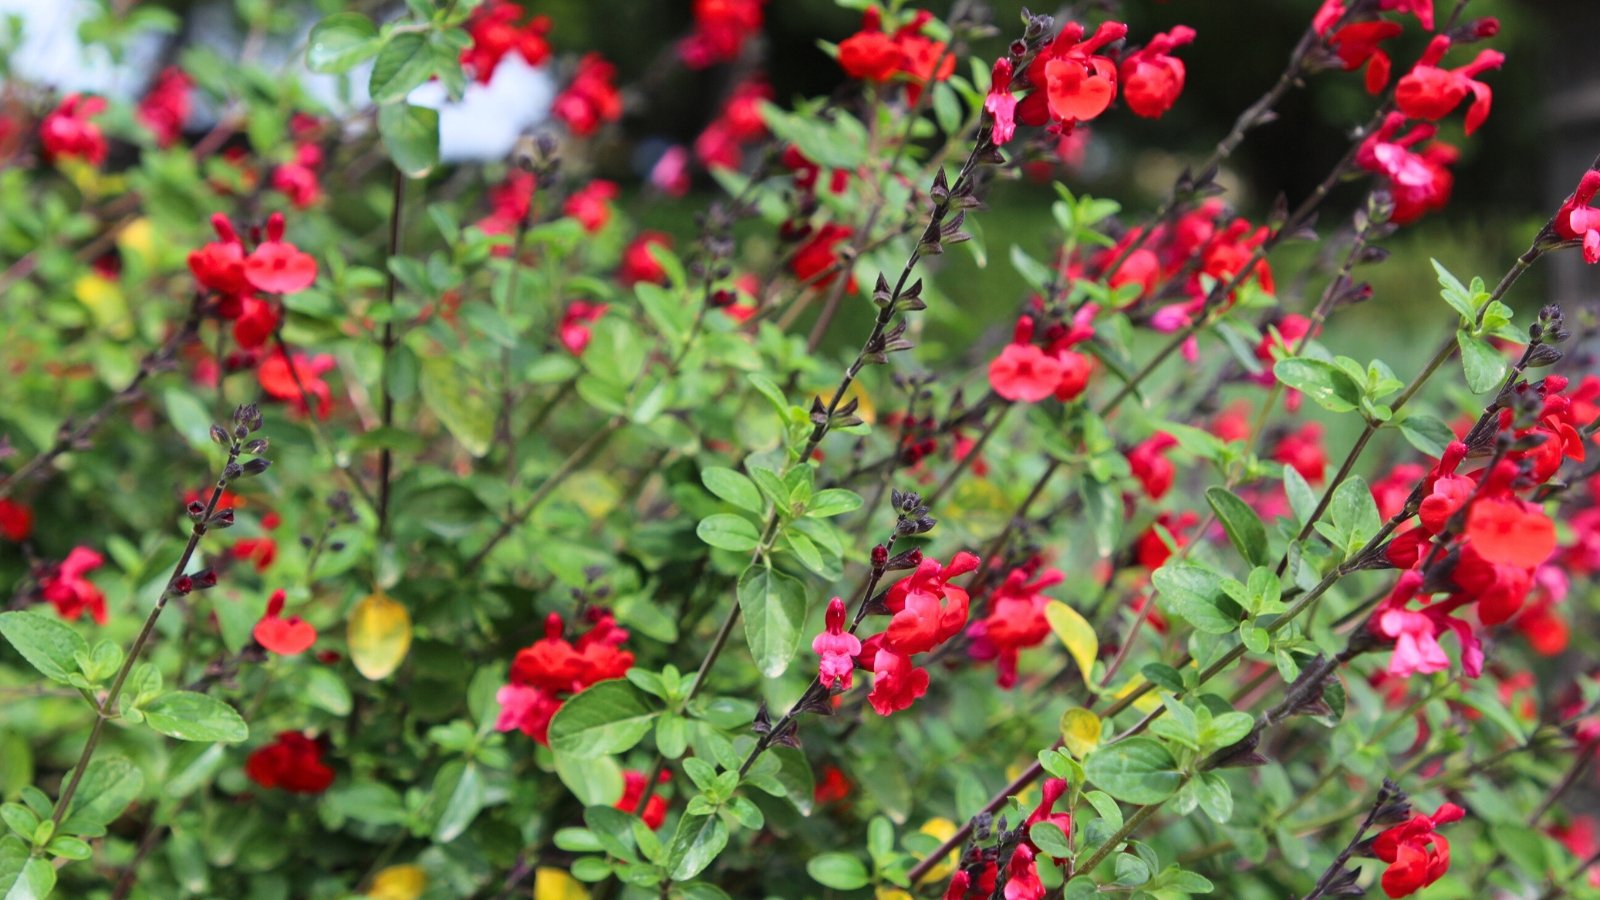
x: 298, y: 180
x: 280, y: 382
x: 896, y: 683
x: 292, y: 762
x: 16, y: 521
x: 166, y: 107
x: 1000, y: 104
x: 817, y: 261
x: 832, y: 787
x: 721, y: 28
x: 1049, y: 793
x: 1511, y: 532
x: 574, y: 328
x: 633, y: 790
x: 256, y: 323
x: 1024, y: 373
x: 591, y: 204
x: 592, y: 99
x: 837, y: 648
x: 548, y: 669
x: 276, y: 266
x: 1022, y: 876
x: 1578, y: 220
x: 495, y: 33
x: 1150, y: 465
x: 1302, y: 451
x: 639, y: 264
x: 1415, y: 851
x: 927, y: 609
x: 260, y: 552
x: 66, y: 588
x: 219, y: 265
x: 68, y: 133
x: 1357, y: 45
x: 1429, y: 92
x: 1072, y: 83
x: 285, y: 637
x: 1152, y: 78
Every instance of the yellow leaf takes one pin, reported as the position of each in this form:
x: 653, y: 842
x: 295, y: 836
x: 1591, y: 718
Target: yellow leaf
x: 1146, y: 701
x: 554, y: 884
x: 1080, y: 731
x: 1076, y: 632
x: 109, y: 309
x: 379, y: 635
x: 594, y: 492
x: 398, y: 883
x: 894, y: 893
x: 139, y: 239
x: 941, y: 829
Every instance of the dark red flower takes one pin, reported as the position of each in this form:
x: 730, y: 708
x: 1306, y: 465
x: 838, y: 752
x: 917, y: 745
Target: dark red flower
x: 817, y: 261
x: 721, y: 29
x: 68, y: 132
x: 66, y: 588
x: 166, y: 107
x: 592, y: 99
x: 496, y: 32
x: 292, y: 762
x: 16, y: 520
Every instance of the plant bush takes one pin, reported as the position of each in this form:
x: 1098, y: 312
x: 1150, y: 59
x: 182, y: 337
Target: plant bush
x: 392, y: 528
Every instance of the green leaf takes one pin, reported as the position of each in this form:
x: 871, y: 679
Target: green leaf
x: 1483, y: 364
x: 192, y: 716
x: 1138, y: 770
x: 1049, y: 837
x: 189, y: 416
x: 1195, y: 594
x: 109, y: 784
x: 608, y: 717
x: 461, y: 403
x: 1302, y: 499
x: 592, y: 781
x: 341, y: 42
x: 729, y: 532
x: 1428, y: 434
x: 1455, y: 293
x: 833, y: 502
x: 44, y: 642
x: 774, y: 608
x: 1354, y: 511
x: 466, y: 799
x: 404, y: 63
x: 1325, y: 383
x: 411, y: 135
x: 1243, y: 526
x: 839, y: 871
x: 1104, y: 510
x: 695, y: 844
x: 733, y: 487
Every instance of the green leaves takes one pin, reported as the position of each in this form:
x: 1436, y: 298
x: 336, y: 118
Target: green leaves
x: 1329, y: 386
x: 109, y: 784
x: 695, y: 844
x: 192, y: 716
x: 1483, y: 364
x: 47, y: 644
x: 411, y: 135
x: 341, y: 42
x: 733, y: 487
x: 1195, y: 594
x: 1456, y: 294
x: 839, y: 871
x: 404, y: 63
x: 774, y: 608
x: 461, y: 403
x: 1138, y: 770
x: 608, y: 717
x: 1243, y: 526
x: 729, y: 532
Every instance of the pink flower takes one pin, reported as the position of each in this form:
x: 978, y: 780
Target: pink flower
x: 1000, y: 104
x: 927, y: 609
x: 1578, y: 220
x: 1025, y: 373
x: 837, y: 648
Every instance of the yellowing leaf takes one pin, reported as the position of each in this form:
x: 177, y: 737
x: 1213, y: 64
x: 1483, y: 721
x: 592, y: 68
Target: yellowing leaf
x: 943, y: 830
x: 554, y: 884
x: 379, y: 634
x: 109, y: 309
x: 139, y: 239
x: 1075, y: 632
x: 894, y: 893
x: 1080, y: 731
x: 594, y: 492
x: 1146, y: 702
x: 398, y: 883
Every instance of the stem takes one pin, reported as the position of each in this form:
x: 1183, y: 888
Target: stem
x: 106, y: 709
x: 385, y: 454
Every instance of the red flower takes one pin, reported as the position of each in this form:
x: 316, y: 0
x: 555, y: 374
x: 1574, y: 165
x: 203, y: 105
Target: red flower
x: 831, y: 787
x: 279, y: 381
x: 574, y: 328
x: 16, y: 520
x: 633, y: 789
x: 256, y: 323
x: 721, y: 28
x: 260, y: 552
x: 1152, y: 79
x: 1417, y: 854
x: 298, y: 180
x: 591, y: 100
x: 68, y: 133
x: 285, y: 637
x: 817, y: 261
x: 1015, y: 622
x: 70, y: 592
x: 1072, y: 83
x: 1578, y: 220
x: 1023, y: 372
x: 544, y: 671
x: 1511, y: 532
x: 1302, y: 451
x: 278, y: 267
x: 166, y: 107
x: 1357, y: 46
x: 1000, y: 104
x: 219, y: 265
x: 927, y: 609
x: 495, y: 33
x: 896, y: 683
x: 871, y: 55
x: 1022, y: 876
x: 591, y: 205
x: 292, y: 762
x: 639, y: 264
x: 837, y: 648
x: 1150, y: 465
x: 1429, y: 92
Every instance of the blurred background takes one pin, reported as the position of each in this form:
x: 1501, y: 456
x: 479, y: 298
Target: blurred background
x: 1544, y: 129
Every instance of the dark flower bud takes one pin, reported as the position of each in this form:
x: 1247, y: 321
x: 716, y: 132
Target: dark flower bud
x: 195, y: 509
x: 182, y: 585
x: 907, y: 560
x: 256, y: 447
x: 219, y: 436
x: 256, y: 467
x: 880, y: 556
x: 204, y: 579
x: 223, y: 519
